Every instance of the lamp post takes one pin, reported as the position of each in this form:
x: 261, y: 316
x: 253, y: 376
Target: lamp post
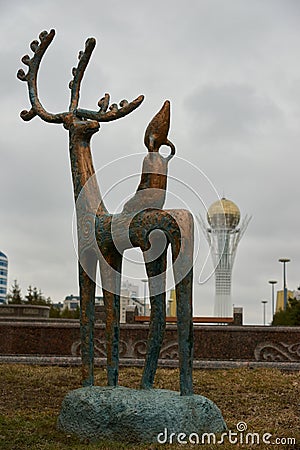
x: 144, y: 281
x: 264, y: 302
x: 272, y: 283
x: 284, y: 261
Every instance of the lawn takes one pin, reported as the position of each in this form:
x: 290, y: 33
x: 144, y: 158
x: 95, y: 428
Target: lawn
x: 267, y: 400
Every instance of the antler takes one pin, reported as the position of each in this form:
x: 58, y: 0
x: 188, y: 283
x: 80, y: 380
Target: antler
x: 114, y: 111
x: 33, y: 64
x: 37, y: 109
x: 78, y: 72
x: 102, y: 115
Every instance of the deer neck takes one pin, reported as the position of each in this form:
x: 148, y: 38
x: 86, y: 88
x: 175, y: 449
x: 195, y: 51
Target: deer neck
x: 86, y: 190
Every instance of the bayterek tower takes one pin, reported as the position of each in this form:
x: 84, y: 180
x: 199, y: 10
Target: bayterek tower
x: 223, y: 236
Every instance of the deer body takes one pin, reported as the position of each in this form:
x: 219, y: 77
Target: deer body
x: 103, y: 237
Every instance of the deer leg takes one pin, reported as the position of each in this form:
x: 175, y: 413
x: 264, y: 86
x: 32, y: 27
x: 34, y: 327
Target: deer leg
x: 182, y: 257
x: 157, y: 284
x: 87, y: 289
x: 111, y: 284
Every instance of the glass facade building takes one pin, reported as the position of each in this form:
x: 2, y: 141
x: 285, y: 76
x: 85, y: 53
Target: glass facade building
x: 3, y: 277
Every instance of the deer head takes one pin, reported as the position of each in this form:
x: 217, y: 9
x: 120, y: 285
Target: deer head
x: 75, y: 117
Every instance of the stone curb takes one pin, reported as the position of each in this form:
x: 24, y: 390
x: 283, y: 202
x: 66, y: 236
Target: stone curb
x: 198, y: 364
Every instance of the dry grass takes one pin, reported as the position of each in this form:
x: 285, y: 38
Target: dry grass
x: 267, y: 400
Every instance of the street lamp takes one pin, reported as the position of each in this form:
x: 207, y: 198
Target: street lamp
x: 264, y: 302
x: 273, y: 282
x: 284, y: 261
x: 145, y: 281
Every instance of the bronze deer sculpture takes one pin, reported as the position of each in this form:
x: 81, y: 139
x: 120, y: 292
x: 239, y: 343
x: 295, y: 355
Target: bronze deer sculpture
x: 112, y: 234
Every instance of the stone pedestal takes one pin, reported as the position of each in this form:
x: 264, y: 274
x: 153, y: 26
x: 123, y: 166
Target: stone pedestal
x: 142, y: 416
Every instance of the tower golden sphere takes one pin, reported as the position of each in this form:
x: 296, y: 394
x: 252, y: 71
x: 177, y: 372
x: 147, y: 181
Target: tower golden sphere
x: 223, y: 214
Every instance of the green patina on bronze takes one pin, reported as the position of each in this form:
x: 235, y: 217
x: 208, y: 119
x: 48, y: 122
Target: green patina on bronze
x: 142, y: 223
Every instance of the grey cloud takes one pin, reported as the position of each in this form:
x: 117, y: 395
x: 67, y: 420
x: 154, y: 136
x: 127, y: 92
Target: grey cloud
x: 232, y: 112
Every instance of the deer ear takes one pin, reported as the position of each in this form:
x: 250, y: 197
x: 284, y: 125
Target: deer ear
x: 156, y: 133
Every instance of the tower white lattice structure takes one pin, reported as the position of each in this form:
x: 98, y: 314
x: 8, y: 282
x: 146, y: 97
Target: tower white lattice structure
x: 3, y: 277
x: 223, y: 237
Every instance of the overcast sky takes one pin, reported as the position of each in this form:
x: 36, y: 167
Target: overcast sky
x: 231, y: 70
